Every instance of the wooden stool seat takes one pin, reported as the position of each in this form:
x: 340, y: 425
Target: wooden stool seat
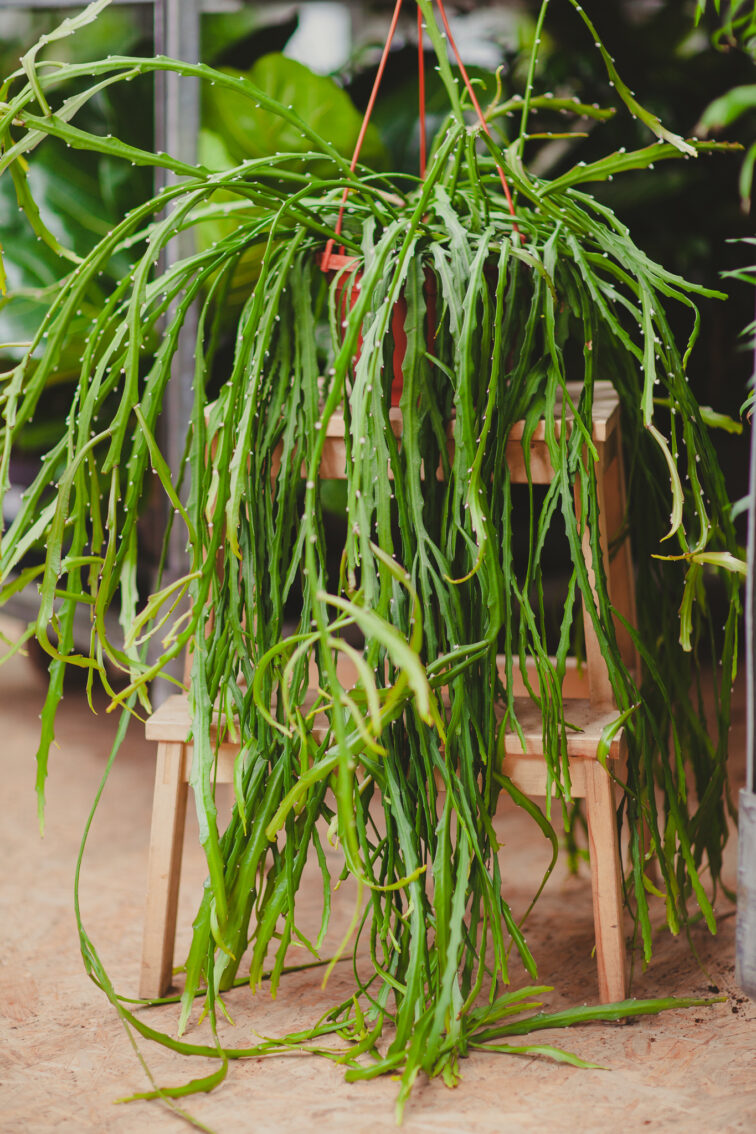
x: 589, y: 710
x: 524, y: 765
x: 171, y: 724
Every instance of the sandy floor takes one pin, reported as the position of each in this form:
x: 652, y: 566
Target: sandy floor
x: 65, y: 1058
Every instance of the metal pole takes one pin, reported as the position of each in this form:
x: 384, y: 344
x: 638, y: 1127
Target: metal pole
x: 177, y: 124
x: 745, y: 935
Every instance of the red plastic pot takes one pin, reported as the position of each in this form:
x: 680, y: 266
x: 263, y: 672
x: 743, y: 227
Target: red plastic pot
x: 347, y: 293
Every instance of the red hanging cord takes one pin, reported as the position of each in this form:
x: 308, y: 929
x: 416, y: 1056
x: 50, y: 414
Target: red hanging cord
x: 421, y: 92
x: 363, y: 129
x: 328, y: 253
x: 478, y: 111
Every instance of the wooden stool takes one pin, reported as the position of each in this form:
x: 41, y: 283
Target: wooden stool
x: 591, y: 708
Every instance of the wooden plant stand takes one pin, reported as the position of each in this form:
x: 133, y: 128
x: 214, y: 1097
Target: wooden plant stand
x: 591, y: 708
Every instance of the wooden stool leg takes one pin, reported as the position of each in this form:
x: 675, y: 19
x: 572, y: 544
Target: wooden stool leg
x: 164, y: 870
x: 614, y: 539
x: 616, y: 557
x: 606, y: 882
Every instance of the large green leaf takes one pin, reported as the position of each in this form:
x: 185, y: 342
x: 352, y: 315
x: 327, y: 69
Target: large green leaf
x: 249, y: 131
x: 230, y: 209
x: 726, y: 109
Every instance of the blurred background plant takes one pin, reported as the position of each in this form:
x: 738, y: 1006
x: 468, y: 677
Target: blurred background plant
x: 735, y: 110
x: 81, y: 195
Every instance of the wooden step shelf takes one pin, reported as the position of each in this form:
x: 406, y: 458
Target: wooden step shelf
x: 586, y: 688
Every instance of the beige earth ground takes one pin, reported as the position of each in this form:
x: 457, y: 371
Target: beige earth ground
x: 65, y: 1058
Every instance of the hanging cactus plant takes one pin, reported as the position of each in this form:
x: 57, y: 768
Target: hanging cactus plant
x: 511, y: 285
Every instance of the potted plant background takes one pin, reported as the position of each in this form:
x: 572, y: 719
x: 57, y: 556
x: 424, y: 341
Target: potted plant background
x: 526, y: 298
